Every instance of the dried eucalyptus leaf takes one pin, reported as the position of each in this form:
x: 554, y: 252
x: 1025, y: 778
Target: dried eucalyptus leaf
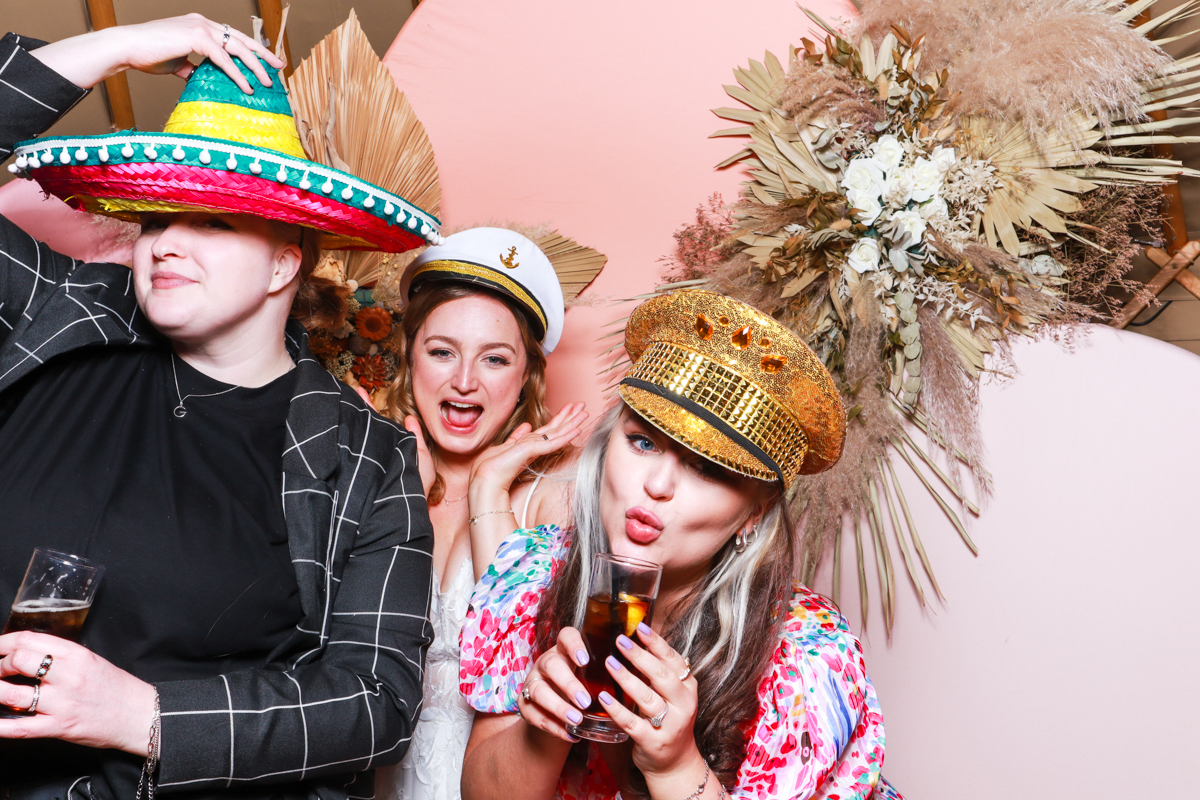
x: 913, y: 385
x: 912, y: 351
x: 913, y: 367
x: 908, y: 315
x: 910, y: 333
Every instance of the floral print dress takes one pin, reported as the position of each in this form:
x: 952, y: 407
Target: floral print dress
x: 819, y: 731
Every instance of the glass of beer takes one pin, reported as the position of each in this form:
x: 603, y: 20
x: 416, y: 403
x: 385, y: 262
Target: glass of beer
x: 622, y: 594
x: 54, y: 598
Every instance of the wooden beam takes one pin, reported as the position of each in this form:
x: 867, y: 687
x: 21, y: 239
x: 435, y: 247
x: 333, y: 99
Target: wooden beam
x: 116, y: 89
x: 1189, y: 281
x: 271, y: 12
x: 1176, y: 265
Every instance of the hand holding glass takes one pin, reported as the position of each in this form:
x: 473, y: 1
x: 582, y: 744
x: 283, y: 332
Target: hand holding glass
x: 622, y: 594
x: 54, y: 598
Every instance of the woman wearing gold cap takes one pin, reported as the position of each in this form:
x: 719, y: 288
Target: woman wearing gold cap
x: 746, y: 684
x: 484, y: 309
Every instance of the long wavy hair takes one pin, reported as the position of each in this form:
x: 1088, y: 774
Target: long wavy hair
x: 531, y: 405
x: 728, y: 624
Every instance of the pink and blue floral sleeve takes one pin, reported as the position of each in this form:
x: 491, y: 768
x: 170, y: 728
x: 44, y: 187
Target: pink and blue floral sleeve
x: 819, y: 731
x: 497, y: 639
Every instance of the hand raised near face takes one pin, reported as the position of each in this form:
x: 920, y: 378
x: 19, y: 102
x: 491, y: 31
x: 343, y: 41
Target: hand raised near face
x: 494, y: 472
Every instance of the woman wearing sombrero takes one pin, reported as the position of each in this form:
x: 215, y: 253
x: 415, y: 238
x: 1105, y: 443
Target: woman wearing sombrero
x: 740, y: 683
x: 261, y: 627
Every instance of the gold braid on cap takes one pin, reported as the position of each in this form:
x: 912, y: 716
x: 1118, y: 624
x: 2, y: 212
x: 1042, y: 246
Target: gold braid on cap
x: 734, y: 385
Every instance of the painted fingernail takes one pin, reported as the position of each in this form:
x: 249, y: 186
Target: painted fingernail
x: 574, y: 716
x: 612, y: 663
x: 644, y: 629
x: 625, y: 642
x: 581, y: 697
x: 606, y: 698
x: 573, y: 739
x: 581, y: 657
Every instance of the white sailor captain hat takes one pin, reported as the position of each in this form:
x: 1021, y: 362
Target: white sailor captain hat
x: 503, y: 261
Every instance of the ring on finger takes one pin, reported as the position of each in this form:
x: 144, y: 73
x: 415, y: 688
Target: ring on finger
x: 225, y: 38
x: 657, y: 720
x: 525, y: 688
x: 687, y: 669
x: 44, y: 667
x: 37, y: 695
x: 544, y: 436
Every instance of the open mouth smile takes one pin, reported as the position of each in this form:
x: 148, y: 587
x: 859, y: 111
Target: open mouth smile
x: 460, y: 417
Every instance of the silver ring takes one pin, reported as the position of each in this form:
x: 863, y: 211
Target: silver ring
x: 687, y: 664
x: 37, y: 695
x: 544, y: 436
x: 525, y: 689
x: 657, y: 720
x: 44, y: 667
x: 225, y: 38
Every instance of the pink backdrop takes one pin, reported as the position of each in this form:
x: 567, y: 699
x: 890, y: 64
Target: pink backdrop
x: 1062, y: 663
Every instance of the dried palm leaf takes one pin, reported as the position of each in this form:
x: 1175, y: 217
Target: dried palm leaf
x: 351, y: 116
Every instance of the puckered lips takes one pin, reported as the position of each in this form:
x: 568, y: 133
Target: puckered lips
x: 459, y: 416
x: 642, y: 526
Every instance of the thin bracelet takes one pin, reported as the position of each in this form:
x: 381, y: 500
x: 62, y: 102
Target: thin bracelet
x: 703, y: 784
x: 471, y: 520
x: 152, y: 753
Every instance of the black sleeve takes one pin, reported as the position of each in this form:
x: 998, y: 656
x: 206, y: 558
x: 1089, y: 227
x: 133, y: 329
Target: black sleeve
x: 355, y: 705
x: 32, y: 98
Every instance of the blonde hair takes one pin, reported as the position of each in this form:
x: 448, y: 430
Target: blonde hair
x: 728, y: 624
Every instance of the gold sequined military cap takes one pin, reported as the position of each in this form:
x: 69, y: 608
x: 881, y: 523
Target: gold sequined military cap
x: 732, y: 384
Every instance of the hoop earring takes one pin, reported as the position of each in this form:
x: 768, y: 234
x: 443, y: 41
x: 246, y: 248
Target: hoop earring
x: 742, y: 541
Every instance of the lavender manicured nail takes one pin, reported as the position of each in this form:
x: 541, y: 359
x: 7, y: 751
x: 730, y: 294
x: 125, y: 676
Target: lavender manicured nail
x: 581, y: 697
x: 644, y: 628
x: 612, y: 662
x: 606, y: 698
x: 625, y: 642
x: 581, y: 657
x: 574, y: 716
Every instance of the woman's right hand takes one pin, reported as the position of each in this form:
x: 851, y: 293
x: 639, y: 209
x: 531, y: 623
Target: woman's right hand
x: 160, y: 47
x: 493, y: 473
x: 556, y: 695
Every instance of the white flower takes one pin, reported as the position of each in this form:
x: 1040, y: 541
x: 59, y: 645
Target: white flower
x: 864, y: 256
x: 943, y: 158
x: 927, y: 180
x: 863, y: 178
x: 908, y: 228
x: 869, y: 209
x: 899, y: 188
x: 899, y: 259
x: 888, y: 152
x: 935, y: 209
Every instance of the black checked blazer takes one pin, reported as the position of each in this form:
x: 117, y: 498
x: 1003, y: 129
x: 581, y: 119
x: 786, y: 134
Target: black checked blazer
x: 343, y: 693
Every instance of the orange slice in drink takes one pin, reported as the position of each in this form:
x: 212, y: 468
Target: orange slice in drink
x: 635, y: 611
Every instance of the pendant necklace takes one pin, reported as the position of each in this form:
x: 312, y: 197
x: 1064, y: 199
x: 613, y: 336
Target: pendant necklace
x: 179, y: 411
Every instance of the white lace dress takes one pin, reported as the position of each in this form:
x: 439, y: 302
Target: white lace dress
x: 432, y: 768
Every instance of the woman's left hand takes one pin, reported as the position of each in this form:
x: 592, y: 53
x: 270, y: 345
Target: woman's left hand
x: 82, y: 698
x: 667, y: 694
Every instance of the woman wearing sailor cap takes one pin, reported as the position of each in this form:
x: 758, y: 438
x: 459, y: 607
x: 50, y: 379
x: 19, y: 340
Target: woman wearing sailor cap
x: 484, y: 310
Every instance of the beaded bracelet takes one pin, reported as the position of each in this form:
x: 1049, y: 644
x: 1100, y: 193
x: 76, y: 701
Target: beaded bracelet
x: 471, y: 521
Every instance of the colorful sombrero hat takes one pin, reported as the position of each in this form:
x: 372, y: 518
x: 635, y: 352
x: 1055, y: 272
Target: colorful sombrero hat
x: 501, y: 260
x: 225, y: 151
x: 732, y: 384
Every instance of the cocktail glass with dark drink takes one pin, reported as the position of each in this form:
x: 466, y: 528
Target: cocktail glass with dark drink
x: 54, y: 598
x: 622, y: 594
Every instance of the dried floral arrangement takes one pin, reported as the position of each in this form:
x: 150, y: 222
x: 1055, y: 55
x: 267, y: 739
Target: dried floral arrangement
x: 923, y: 187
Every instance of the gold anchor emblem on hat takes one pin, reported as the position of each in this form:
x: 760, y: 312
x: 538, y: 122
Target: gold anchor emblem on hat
x: 510, y: 260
